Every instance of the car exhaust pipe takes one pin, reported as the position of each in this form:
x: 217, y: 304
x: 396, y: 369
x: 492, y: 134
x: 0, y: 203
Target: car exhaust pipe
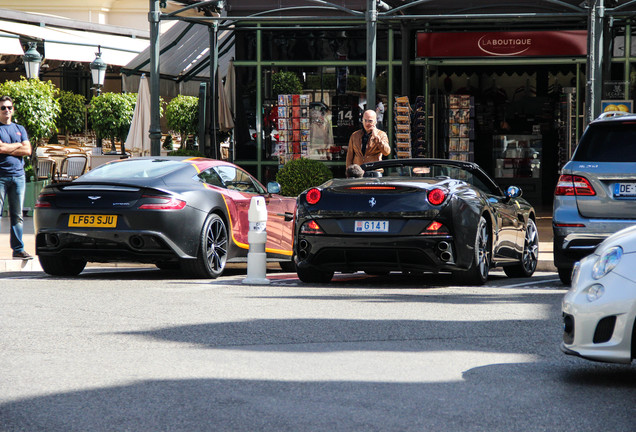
x: 52, y: 240
x: 443, y: 246
x: 136, y: 241
x: 446, y: 256
x: 303, y: 249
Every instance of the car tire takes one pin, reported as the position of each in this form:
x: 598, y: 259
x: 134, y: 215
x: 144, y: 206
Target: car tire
x: 530, y: 255
x: 565, y: 274
x: 287, y: 266
x: 310, y: 275
x: 212, y: 253
x: 59, y: 266
x: 477, y: 274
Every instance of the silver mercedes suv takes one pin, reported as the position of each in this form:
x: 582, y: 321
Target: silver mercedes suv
x: 596, y: 192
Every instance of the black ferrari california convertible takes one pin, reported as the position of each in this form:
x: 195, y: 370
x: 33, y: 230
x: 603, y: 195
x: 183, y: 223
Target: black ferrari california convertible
x: 174, y: 212
x: 415, y: 215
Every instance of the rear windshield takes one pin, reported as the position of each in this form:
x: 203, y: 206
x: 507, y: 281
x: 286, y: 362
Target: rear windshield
x: 133, y: 168
x: 608, y: 142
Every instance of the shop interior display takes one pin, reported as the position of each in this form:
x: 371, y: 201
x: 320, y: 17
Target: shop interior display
x: 420, y: 141
x: 293, y: 127
x: 402, y: 127
x: 567, y: 125
x: 518, y: 161
x: 461, y: 127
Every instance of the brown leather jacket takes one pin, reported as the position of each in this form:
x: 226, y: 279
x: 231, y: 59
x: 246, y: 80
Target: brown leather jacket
x: 377, y: 146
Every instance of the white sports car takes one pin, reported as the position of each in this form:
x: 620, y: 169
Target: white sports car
x: 599, y: 311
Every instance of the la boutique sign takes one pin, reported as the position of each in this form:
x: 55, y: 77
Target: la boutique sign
x: 502, y: 44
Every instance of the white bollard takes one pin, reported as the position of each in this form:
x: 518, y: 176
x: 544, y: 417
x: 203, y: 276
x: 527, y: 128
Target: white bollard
x: 257, y: 237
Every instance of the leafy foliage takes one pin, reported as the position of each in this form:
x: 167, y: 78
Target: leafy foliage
x: 29, y: 171
x: 182, y: 115
x: 286, y: 83
x: 300, y: 174
x: 36, y: 106
x: 111, y: 115
x: 182, y: 151
x: 73, y: 112
x: 167, y: 143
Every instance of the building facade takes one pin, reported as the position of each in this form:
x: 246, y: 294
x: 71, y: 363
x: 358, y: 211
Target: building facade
x: 504, y: 88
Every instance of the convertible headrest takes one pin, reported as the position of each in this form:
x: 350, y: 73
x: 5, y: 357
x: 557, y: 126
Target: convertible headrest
x: 372, y: 174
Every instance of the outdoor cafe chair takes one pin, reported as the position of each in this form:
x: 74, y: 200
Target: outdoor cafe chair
x: 45, y: 168
x: 72, y: 167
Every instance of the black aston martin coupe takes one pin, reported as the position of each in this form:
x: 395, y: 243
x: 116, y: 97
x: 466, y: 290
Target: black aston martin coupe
x: 171, y: 211
x: 415, y: 215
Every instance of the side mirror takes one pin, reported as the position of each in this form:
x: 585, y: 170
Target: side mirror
x: 513, y: 192
x: 273, y: 188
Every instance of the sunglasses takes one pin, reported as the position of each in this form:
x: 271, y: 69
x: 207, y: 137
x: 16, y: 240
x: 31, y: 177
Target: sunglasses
x: 6, y: 107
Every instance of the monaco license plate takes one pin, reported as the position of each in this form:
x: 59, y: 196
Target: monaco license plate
x: 371, y: 226
x: 625, y: 190
x: 95, y: 221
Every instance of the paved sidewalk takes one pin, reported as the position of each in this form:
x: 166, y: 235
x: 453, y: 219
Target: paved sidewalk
x: 7, y: 263
x: 544, y: 224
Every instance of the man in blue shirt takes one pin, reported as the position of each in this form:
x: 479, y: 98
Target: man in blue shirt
x: 14, y: 144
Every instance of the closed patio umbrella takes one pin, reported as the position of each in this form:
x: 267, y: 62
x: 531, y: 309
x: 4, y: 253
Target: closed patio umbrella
x: 230, y: 87
x: 138, y: 137
x: 226, y: 121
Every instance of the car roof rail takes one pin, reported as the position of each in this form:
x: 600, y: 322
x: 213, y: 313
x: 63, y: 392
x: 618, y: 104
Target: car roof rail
x: 609, y: 114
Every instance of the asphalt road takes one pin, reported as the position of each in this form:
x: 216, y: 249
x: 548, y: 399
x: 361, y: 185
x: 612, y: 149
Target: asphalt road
x: 144, y: 350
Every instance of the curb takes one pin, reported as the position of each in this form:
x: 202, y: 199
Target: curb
x: 12, y: 265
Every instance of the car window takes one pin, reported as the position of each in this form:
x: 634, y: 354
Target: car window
x: 608, y: 142
x: 211, y: 177
x: 236, y: 179
x: 134, y: 168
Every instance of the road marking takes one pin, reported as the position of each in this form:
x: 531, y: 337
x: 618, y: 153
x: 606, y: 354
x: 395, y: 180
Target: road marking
x: 529, y: 283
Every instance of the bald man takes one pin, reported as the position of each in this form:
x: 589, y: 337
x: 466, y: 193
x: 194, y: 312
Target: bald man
x: 368, y: 144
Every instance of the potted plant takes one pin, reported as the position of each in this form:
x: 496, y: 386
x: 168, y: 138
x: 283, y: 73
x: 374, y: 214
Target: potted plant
x: 73, y: 113
x: 300, y: 174
x: 111, y: 115
x: 182, y: 115
x: 284, y: 82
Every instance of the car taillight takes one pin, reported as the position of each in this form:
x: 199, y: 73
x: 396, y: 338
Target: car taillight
x: 313, y: 195
x: 436, y: 196
x: 570, y: 185
x: 372, y: 188
x: 435, y: 228
x: 311, y: 227
x: 162, y: 203
x: 42, y: 202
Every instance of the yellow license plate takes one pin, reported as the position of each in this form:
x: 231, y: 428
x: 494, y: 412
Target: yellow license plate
x: 98, y: 221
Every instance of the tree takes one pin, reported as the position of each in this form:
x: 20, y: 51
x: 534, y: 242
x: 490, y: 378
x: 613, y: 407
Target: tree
x: 73, y: 113
x: 36, y: 106
x: 111, y: 115
x: 182, y: 115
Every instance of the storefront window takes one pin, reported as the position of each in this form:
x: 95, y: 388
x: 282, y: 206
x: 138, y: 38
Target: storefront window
x: 245, y: 121
x: 312, y: 111
x: 319, y: 45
